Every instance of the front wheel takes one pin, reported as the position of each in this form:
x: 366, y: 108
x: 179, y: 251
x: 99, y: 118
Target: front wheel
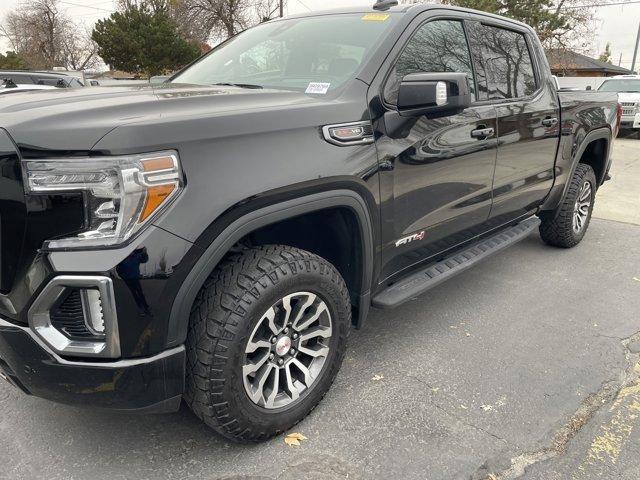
x: 567, y: 226
x: 266, y: 339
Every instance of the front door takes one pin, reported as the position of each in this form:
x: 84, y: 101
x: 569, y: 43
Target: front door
x: 436, y: 177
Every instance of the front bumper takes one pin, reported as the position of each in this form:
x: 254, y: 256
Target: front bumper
x: 150, y: 385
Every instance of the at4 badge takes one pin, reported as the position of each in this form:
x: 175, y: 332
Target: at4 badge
x: 410, y: 238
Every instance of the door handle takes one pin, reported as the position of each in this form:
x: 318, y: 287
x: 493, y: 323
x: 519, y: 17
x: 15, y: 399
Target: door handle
x: 482, y: 132
x: 550, y: 122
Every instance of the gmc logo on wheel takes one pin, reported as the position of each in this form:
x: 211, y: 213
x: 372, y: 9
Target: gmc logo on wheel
x: 410, y: 238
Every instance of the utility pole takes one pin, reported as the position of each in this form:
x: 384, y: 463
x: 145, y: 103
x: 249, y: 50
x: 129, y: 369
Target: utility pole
x: 282, y: 11
x: 635, y: 51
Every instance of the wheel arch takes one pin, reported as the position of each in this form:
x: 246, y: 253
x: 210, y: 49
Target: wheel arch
x: 564, y: 174
x: 255, y: 219
x: 596, y: 154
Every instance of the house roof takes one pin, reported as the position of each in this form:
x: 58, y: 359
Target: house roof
x: 561, y: 59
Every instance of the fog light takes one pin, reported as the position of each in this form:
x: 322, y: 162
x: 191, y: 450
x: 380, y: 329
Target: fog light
x: 76, y: 316
x: 93, y: 315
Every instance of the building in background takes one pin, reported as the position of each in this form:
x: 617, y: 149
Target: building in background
x: 566, y: 63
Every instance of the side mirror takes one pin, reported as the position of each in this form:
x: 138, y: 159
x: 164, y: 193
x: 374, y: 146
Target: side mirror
x: 433, y: 94
x: 94, y: 83
x: 588, y: 87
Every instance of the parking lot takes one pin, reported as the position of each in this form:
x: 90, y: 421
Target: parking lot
x: 526, y: 366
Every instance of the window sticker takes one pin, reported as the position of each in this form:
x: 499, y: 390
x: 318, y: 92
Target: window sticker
x: 318, y: 88
x: 375, y: 17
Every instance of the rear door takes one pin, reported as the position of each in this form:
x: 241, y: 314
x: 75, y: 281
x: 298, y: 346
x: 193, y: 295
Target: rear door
x: 509, y: 70
x: 436, y: 177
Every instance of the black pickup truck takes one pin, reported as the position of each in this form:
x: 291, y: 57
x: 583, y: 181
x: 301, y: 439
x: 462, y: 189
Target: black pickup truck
x: 215, y: 238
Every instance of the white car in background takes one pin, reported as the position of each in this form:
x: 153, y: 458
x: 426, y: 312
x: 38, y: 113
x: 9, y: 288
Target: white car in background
x: 628, y: 88
x: 7, y: 88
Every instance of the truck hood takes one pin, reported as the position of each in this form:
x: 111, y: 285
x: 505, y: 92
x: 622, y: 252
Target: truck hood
x: 76, y: 119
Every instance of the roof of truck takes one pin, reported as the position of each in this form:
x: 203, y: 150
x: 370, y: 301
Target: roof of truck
x: 413, y: 9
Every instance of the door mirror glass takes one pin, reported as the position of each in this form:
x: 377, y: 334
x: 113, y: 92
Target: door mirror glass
x: 433, y: 94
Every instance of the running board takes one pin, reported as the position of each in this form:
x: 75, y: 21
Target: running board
x: 423, y: 280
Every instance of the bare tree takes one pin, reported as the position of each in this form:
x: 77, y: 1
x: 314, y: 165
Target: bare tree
x: 217, y: 20
x: 45, y: 37
x: 268, y: 9
x: 79, y: 51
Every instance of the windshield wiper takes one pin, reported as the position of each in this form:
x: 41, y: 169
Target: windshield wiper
x: 240, y: 85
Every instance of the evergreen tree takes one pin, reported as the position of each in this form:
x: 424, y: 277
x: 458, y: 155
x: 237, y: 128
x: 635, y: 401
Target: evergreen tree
x: 143, y: 40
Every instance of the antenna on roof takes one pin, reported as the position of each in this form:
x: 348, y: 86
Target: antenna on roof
x: 385, y: 4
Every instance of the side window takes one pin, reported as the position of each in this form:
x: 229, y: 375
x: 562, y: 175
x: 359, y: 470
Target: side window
x: 503, y: 63
x: 437, y: 46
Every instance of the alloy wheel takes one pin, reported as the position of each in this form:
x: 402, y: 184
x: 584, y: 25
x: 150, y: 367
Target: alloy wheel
x: 582, y: 206
x: 287, y: 350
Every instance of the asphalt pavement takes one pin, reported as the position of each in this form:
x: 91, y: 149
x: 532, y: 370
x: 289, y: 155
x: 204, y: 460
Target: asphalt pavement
x: 526, y: 366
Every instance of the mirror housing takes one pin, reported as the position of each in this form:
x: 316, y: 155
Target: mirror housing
x: 433, y: 94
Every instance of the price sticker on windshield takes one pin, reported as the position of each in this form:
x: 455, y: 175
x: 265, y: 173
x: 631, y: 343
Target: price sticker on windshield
x: 375, y: 17
x: 318, y: 88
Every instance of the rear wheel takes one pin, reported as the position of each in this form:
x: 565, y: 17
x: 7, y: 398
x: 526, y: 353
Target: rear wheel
x: 567, y: 226
x: 266, y: 339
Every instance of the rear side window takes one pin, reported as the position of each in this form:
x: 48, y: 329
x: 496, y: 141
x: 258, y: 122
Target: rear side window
x: 437, y: 46
x: 504, y: 68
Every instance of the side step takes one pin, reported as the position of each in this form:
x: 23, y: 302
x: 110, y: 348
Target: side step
x: 423, y: 280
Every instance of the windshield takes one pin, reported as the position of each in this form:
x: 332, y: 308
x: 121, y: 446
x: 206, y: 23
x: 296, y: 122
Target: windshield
x: 624, y: 85
x: 312, y: 54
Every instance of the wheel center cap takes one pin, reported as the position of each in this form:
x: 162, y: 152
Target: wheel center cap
x: 282, y: 346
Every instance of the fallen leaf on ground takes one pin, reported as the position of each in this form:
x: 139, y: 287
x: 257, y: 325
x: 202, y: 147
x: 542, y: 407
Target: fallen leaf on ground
x: 294, y: 439
x: 486, y: 408
x: 636, y: 279
x: 377, y: 378
x: 291, y: 442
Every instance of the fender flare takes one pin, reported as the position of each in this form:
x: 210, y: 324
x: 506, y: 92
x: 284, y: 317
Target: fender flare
x: 598, y: 134
x: 181, y: 308
x: 592, y: 136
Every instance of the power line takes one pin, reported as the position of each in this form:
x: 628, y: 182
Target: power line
x: 303, y: 4
x: 85, y: 6
x: 600, y: 5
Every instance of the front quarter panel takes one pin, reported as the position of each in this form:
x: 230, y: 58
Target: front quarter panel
x: 233, y: 157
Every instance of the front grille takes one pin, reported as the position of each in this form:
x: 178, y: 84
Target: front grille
x: 67, y: 315
x: 628, y: 104
x: 627, y: 111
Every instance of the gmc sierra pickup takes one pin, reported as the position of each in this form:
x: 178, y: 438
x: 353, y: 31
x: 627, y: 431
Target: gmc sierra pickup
x: 214, y: 238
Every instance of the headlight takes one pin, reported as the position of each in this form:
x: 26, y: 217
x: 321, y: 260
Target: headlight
x: 122, y: 193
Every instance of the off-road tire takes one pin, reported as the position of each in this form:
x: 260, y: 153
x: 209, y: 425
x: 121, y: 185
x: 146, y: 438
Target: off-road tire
x: 224, y: 314
x: 557, y: 227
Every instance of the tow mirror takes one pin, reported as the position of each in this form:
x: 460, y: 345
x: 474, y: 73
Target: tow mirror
x: 433, y: 94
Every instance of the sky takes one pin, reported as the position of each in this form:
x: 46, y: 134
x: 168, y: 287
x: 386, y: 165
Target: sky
x: 617, y: 24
